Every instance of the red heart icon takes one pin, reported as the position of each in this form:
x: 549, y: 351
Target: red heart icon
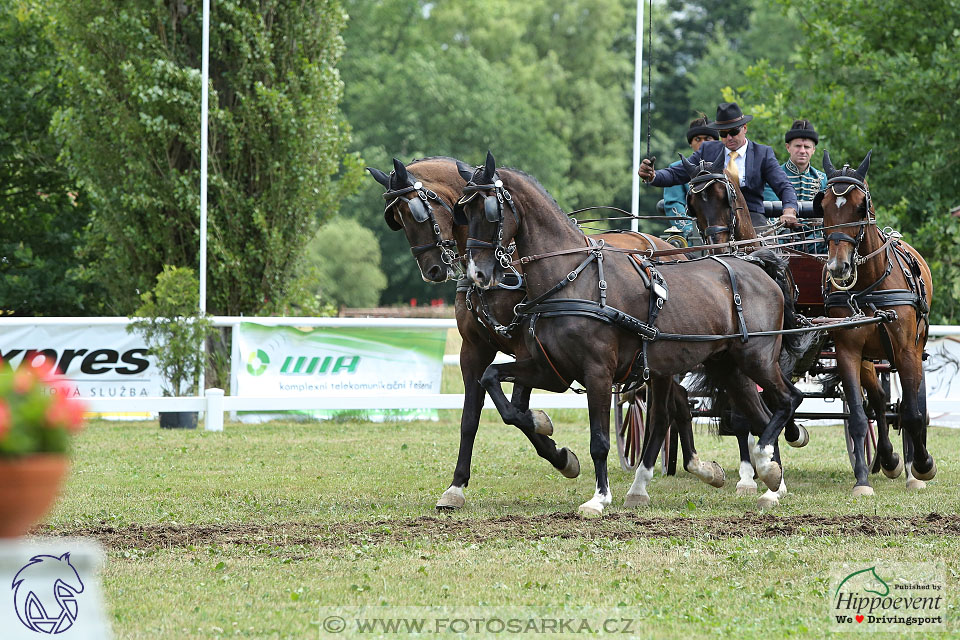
x: 859, y: 618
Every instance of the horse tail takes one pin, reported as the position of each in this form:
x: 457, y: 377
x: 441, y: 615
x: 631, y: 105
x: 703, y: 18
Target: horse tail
x: 794, y: 345
x: 711, y: 381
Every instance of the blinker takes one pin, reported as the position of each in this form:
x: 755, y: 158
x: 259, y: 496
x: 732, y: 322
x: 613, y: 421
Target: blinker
x: 417, y: 210
x: 491, y: 208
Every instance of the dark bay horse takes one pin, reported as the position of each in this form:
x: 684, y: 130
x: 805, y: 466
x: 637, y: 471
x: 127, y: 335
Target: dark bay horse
x: 868, y: 270
x: 578, y: 338
x: 722, y: 215
x: 418, y: 197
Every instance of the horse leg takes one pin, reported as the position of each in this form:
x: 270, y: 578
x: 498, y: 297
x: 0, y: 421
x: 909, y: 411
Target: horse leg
x: 912, y: 483
x: 657, y: 428
x: 848, y: 365
x: 890, y: 462
x: 771, y: 498
x: 599, y: 396
x: 786, y: 398
x: 520, y: 398
x: 709, y: 472
x: 912, y: 420
x: 532, y: 375
x: 474, y: 358
x: 746, y: 485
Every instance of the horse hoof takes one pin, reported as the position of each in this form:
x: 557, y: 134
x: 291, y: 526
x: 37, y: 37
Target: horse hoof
x: 746, y: 489
x: 451, y: 500
x: 896, y: 471
x: 768, y: 501
x: 572, y: 468
x: 636, y: 500
x: 719, y: 477
x: 542, y: 424
x: 588, y: 511
x: 915, y: 485
x: 862, y: 490
x: 771, y: 474
x: 803, y: 440
x: 929, y: 474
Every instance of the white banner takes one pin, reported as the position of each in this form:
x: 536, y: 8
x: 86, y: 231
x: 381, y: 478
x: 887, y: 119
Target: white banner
x: 296, y: 362
x: 100, y: 361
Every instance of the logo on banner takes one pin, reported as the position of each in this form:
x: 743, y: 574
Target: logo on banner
x: 257, y: 362
x: 45, y: 594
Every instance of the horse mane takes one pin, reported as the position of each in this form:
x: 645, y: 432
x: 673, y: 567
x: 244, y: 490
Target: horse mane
x: 428, y: 158
x: 543, y: 192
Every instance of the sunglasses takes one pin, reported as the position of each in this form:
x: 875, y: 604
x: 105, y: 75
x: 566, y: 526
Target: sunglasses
x: 729, y: 132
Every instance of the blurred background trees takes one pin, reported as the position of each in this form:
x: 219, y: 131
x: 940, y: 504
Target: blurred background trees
x: 99, y: 129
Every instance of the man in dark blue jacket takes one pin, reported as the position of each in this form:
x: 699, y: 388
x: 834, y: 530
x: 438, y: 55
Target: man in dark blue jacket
x: 755, y: 165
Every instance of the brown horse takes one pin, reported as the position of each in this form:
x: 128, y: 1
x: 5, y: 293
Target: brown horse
x: 868, y: 270
x: 722, y: 215
x: 632, y: 327
x: 417, y: 196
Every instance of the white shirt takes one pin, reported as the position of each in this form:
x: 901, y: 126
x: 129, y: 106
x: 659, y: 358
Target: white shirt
x: 741, y: 161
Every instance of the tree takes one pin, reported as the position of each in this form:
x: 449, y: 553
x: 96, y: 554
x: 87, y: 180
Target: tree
x: 879, y: 75
x: 42, y: 211
x: 344, y: 260
x: 278, y: 164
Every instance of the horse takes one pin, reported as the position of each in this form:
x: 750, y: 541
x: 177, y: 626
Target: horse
x: 486, y: 319
x: 596, y: 343
x: 722, y: 215
x: 867, y: 270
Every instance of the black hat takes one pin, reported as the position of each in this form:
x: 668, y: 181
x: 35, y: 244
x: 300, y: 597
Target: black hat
x: 802, y: 129
x: 729, y: 116
x: 699, y: 128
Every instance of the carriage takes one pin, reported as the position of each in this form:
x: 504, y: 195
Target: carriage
x: 820, y: 374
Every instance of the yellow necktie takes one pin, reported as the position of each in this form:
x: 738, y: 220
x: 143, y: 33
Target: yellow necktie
x: 732, y: 167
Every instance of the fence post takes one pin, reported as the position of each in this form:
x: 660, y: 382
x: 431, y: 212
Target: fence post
x: 213, y: 420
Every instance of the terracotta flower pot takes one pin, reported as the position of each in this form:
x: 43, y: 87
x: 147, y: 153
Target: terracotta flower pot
x: 28, y: 487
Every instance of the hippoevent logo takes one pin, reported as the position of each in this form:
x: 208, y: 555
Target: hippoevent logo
x: 895, y: 597
x: 257, y: 362
x: 45, y: 594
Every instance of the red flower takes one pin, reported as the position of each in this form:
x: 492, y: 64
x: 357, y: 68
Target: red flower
x: 4, y: 418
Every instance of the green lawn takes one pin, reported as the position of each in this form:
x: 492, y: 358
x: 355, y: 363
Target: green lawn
x: 261, y: 531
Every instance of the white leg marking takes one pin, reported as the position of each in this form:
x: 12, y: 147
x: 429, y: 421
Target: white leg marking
x: 912, y: 483
x: 452, y: 498
x: 768, y: 470
x: 637, y: 494
x: 594, y: 506
x: 747, y: 485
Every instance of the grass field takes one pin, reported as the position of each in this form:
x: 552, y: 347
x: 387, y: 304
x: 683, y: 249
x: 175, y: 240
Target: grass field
x: 263, y: 531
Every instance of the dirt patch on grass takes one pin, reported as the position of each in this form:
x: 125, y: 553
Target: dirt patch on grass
x: 620, y: 526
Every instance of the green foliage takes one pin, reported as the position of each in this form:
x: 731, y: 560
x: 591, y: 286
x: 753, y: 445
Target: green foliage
x: 344, y: 262
x: 880, y: 75
x: 277, y: 141
x: 42, y: 211
x: 173, y: 328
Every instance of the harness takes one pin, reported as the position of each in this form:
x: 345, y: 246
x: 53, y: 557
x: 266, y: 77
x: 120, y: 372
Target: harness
x: 872, y: 296
x: 700, y: 183
x: 422, y: 211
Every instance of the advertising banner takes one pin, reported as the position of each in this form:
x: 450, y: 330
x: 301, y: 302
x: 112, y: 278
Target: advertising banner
x: 294, y: 362
x: 99, y: 360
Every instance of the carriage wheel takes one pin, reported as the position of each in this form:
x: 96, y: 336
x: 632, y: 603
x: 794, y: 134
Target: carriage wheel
x: 630, y: 433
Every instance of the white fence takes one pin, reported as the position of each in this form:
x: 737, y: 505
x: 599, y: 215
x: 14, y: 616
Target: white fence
x: 215, y: 403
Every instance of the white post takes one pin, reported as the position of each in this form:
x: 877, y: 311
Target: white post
x: 637, y: 106
x: 213, y: 421
x: 204, y: 103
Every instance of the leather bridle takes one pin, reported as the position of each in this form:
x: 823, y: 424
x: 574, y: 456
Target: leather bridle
x: 698, y: 186
x: 493, y: 211
x: 422, y: 211
x: 840, y: 185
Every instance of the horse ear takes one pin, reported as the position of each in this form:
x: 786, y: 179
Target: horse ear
x: 689, y: 166
x: 465, y: 171
x: 380, y: 177
x: 66, y: 556
x: 827, y: 165
x: 717, y: 166
x: 862, y: 169
x: 400, y: 173
x: 459, y: 215
x: 818, y: 204
x: 489, y: 168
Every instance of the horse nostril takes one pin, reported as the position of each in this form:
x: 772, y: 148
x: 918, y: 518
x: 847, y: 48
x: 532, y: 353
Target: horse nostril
x: 436, y: 273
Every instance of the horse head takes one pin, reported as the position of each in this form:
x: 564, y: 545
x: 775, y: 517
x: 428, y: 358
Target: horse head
x: 481, y: 209
x: 715, y: 201
x: 846, y: 209
x: 416, y: 204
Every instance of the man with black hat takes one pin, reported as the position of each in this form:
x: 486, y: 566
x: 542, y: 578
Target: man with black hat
x: 675, y: 197
x: 801, y: 142
x: 752, y: 164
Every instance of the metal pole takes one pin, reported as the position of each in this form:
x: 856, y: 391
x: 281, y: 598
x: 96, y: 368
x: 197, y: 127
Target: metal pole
x: 637, y: 104
x: 204, y: 103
